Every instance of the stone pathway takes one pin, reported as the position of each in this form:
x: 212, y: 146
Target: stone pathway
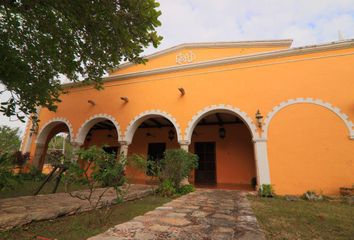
x: 22, y: 210
x: 204, y: 214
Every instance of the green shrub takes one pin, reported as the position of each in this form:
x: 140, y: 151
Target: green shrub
x: 100, y: 169
x: 33, y: 174
x: 137, y: 162
x: 7, y: 179
x: 177, y: 165
x: 54, y: 157
x: 19, y: 159
x: 186, y: 189
x: 166, y: 188
x: 266, y: 190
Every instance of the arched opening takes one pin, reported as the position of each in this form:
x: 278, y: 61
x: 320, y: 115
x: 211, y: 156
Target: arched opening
x: 101, y: 133
x: 152, y: 136
x: 58, y: 146
x: 224, y: 144
x: 45, y: 139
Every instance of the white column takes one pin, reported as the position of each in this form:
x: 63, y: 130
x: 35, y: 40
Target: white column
x: 261, y: 156
x: 39, y: 150
x: 185, y: 146
x: 27, y: 146
x: 123, y: 148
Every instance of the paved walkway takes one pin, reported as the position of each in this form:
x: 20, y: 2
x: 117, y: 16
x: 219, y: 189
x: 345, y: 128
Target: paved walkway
x: 204, y: 214
x: 22, y: 210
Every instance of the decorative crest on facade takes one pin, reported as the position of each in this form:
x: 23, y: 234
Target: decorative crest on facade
x: 187, y: 57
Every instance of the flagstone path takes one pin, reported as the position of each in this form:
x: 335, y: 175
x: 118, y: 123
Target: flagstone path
x: 204, y: 214
x: 22, y: 210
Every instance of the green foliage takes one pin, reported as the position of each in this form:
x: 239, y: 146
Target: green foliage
x: 7, y: 179
x: 166, y: 188
x: 41, y: 41
x: 33, y: 174
x: 19, y: 159
x: 9, y: 138
x: 266, y: 190
x: 60, y: 143
x: 97, y: 169
x: 177, y: 165
x: 138, y: 162
x: 185, y: 189
x: 54, y: 157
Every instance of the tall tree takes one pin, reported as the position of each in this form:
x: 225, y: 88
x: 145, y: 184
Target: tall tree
x: 9, y: 139
x: 42, y: 41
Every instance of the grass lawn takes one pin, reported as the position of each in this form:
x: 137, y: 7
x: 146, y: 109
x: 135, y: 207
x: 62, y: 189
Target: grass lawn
x: 29, y: 187
x: 86, y: 224
x: 283, y: 219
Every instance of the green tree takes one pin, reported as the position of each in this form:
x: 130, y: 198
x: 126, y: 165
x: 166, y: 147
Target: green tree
x: 43, y: 41
x: 9, y: 139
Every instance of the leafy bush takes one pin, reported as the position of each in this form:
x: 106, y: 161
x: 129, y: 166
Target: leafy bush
x: 55, y: 157
x: 266, y: 190
x: 33, y: 174
x: 137, y: 162
x: 186, y: 189
x: 97, y: 169
x: 177, y: 165
x: 166, y: 188
x: 19, y: 158
x: 7, y: 178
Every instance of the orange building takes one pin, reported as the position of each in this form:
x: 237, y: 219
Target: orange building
x: 203, y: 97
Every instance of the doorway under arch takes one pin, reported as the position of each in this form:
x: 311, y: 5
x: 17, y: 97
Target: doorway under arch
x: 224, y: 145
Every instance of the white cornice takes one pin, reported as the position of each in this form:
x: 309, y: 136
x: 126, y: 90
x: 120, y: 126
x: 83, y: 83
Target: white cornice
x: 230, y: 60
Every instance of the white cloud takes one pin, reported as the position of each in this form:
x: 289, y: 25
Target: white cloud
x: 305, y: 21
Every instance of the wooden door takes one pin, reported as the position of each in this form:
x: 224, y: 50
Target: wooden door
x: 206, y: 171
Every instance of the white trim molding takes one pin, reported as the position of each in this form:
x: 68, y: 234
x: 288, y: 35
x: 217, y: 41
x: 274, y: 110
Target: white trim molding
x: 349, y: 124
x: 139, y: 119
x: 220, y: 108
x: 90, y: 122
x: 46, y: 128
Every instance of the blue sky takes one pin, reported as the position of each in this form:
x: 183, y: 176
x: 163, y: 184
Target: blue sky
x: 305, y: 21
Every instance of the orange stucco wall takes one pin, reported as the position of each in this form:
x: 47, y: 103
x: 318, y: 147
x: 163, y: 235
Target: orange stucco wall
x: 308, y: 139
x: 309, y: 150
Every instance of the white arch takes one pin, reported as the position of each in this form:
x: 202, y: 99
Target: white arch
x: 219, y: 109
x: 139, y: 119
x: 349, y: 124
x: 89, y: 123
x: 45, y: 130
